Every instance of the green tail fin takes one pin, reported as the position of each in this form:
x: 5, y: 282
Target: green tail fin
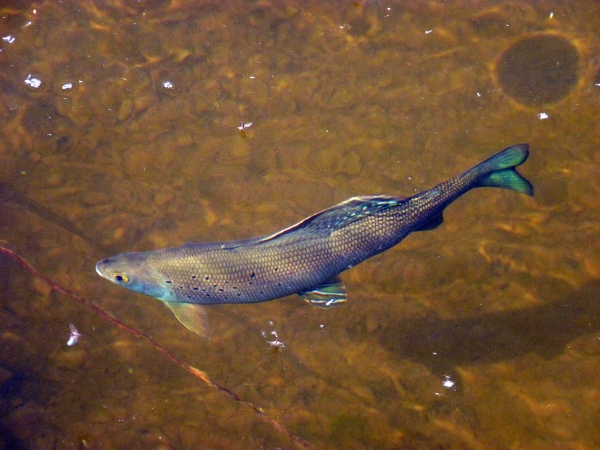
x: 507, y: 179
x: 499, y: 170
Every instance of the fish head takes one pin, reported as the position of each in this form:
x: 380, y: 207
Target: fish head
x: 132, y: 271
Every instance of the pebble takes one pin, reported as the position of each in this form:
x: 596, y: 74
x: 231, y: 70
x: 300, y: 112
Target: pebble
x: 161, y: 199
x: 327, y: 159
x: 102, y: 416
x: 70, y: 359
x: 64, y: 106
x: 143, y: 102
x: 183, y: 138
x: 5, y: 375
x: 135, y: 159
x: 372, y: 323
x: 55, y: 179
x: 365, y: 393
x: 125, y: 109
x: 95, y: 198
x: 15, y: 349
x: 8, y: 164
x: 125, y: 349
x: 24, y: 420
x: 350, y: 164
x: 235, y: 152
x: 41, y: 287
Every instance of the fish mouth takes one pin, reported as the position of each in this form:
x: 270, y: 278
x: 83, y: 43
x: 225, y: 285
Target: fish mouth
x: 100, y: 265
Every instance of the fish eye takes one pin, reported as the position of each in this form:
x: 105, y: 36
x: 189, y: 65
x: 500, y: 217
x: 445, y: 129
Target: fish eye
x: 120, y: 277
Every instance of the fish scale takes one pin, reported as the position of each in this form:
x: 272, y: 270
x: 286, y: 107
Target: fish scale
x: 305, y: 258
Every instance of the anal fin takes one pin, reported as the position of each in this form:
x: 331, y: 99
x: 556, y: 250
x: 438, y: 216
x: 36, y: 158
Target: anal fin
x: 326, y: 294
x: 432, y: 223
x: 191, y: 316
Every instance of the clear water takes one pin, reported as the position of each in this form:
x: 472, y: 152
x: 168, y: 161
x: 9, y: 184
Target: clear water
x: 119, y: 132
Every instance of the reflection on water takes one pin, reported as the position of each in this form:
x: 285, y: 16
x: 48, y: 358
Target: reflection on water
x: 120, y: 132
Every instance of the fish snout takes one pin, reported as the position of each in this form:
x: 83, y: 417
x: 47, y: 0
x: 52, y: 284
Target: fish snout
x: 101, y: 267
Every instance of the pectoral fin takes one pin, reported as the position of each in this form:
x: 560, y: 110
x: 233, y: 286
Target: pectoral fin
x: 191, y: 316
x: 326, y: 294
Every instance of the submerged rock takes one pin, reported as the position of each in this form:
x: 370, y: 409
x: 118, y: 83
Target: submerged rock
x: 538, y: 69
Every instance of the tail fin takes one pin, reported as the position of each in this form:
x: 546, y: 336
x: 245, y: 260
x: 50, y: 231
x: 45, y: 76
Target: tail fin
x: 499, y: 170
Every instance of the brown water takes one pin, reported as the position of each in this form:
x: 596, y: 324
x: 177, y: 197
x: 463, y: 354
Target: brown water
x: 483, y: 334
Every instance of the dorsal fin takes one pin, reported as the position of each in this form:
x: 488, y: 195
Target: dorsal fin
x: 339, y: 216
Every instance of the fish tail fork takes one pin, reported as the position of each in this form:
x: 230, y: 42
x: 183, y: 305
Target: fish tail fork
x: 499, y: 170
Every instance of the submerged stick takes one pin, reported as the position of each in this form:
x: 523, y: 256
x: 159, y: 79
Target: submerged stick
x: 191, y: 369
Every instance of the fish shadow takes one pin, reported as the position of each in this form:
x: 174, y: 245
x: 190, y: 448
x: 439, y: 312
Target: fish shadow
x: 546, y: 330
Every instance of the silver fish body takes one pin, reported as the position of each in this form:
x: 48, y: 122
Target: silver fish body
x: 305, y: 258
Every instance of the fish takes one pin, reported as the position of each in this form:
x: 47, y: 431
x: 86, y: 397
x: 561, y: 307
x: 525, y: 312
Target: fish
x: 306, y: 258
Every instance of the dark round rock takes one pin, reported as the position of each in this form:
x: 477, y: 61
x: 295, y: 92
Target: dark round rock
x: 538, y: 70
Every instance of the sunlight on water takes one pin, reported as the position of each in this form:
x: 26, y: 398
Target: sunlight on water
x: 137, y: 125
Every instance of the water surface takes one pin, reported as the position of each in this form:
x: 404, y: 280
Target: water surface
x: 119, y: 132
